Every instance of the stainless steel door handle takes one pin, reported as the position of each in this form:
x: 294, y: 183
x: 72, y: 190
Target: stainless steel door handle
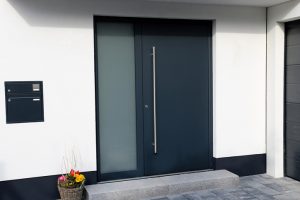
x: 154, y: 99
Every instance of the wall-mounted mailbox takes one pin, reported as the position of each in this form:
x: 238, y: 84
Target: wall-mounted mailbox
x: 24, y: 101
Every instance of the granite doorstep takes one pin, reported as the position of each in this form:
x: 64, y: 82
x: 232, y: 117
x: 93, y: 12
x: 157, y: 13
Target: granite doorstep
x: 162, y: 187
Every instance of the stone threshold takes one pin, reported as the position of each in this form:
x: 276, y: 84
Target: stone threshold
x: 156, y: 187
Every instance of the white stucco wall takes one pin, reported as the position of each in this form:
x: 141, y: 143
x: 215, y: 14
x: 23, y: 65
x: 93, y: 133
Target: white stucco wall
x: 52, y: 41
x: 277, y: 15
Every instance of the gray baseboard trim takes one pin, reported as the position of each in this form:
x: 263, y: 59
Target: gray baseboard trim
x: 44, y: 188
x: 242, y: 165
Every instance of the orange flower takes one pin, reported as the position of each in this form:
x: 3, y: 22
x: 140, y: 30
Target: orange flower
x: 79, y: 178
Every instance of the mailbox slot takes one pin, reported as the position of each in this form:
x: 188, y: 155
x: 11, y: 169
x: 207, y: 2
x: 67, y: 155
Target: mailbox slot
x: 24, y: 101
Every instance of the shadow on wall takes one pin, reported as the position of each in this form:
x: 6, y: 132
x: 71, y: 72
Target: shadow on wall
x: 74, y: 13
x: 282, y: 13
x: 288, y: 9
x: 78, y: 13
x: 55, y: 13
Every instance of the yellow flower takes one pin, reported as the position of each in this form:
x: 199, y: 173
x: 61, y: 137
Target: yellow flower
x: 79, y: 178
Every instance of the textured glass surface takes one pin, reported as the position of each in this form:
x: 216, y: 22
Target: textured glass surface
x: 117, y: 113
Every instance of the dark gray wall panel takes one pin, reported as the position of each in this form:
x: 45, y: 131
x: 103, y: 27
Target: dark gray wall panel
x: 293, y: 55
x: 293, y: 150
x: 292, y: 24
x: 292, y: 112
x: 292, y: 131
x: 293, y: 36
x: 293, y: 93
x: 293, y: 74
x: 292, y: 168
x: 292, y: 100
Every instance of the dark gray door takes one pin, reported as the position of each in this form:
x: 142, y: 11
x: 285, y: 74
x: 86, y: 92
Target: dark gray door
x: 292, y: 100
x: 176, y: 96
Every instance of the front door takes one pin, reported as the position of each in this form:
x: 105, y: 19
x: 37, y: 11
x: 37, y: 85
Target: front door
x: 153, y: 96
x: 176, y: 76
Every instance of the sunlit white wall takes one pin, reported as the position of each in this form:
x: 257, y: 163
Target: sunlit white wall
x: 53, y: 41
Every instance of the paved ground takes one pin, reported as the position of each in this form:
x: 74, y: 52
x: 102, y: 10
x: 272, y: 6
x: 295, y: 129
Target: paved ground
x: 261, y: 187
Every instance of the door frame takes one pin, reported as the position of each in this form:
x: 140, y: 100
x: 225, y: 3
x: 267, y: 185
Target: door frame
x: 138, y: 46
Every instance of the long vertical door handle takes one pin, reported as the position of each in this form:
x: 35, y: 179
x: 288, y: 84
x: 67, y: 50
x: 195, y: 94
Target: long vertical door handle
x: 154, y: 99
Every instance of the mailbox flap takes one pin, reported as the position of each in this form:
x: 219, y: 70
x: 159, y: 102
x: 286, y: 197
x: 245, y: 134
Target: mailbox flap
x: 24, y: 101
x: 23, y: 87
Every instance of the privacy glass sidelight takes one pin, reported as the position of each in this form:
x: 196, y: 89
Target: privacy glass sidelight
x: 117, y: 104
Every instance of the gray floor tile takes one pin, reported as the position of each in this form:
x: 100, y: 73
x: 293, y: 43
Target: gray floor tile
x: 252, y: 190
x: 177, y: 197
x: 225, y: 195
x: 267, y: 190
x: 293, y: 187
x: 264, y: 197
x: 258, y: 187
x: 288, y: 196
x: 277, y: 187
x: 192, y: 196
x: 203, y: 195
x: 242, y: 194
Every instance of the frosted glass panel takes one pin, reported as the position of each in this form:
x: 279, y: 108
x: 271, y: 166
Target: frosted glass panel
x: 117, y: 113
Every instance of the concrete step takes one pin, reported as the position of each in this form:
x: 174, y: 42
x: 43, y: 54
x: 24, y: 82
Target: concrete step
x: 148, y: 188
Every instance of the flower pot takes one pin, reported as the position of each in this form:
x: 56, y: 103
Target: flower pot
x: 70, y: 193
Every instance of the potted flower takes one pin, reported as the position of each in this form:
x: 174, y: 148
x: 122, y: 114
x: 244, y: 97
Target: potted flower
x: 71, y: 185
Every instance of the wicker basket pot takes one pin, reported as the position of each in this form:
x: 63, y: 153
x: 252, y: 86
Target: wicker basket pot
x: 70, y: 193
